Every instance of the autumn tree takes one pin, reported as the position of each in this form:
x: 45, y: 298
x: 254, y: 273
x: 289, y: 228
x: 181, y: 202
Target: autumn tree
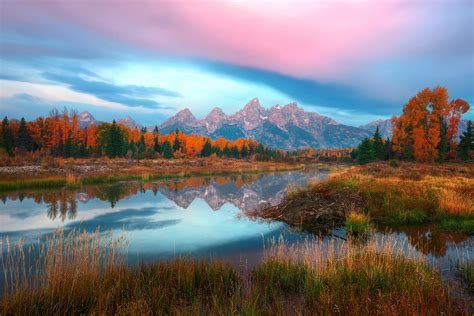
x: 417, y: 133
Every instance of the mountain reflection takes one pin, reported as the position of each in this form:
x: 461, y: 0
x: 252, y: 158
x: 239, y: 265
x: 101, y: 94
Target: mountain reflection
x: 152, y: 213
x: 243, y: 191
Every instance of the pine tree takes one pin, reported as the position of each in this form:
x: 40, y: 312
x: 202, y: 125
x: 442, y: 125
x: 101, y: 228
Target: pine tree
x: 114, y: 141
x: 141, y: 147
x: 235, y: 152
x: 206, y: 149
x: 7, y: 136
x: 177, y: 144
x: 443, y: 145
x: 166, y: 150
x: 388, y: 151
x: 378, y: 145
x: 244, y: 152
x: 365, y: 151
x: 227, y: 152
x: 466, y: 143
x: 24, y: 139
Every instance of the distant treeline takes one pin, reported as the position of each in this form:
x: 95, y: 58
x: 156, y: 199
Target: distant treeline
x: 60, y: 135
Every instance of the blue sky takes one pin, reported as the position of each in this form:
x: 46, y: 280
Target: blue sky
x: 354, y: 61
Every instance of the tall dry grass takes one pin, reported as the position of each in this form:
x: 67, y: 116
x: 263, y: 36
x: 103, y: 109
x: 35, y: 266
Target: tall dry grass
x: 413, y: 194
x: 55, y: 264
x: 87, y: 274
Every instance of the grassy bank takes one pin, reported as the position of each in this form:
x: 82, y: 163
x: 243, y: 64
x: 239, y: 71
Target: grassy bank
x: 87, y: 274
x: 147, y: 174
x: 409, y: 194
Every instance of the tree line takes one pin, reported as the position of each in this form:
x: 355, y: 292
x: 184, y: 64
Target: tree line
x: 60, y: 135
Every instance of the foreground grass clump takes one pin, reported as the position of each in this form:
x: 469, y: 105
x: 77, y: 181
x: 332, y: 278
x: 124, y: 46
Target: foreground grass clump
x: 357, y: 223
x: 87, y: 274
x: 348, y: 278
x: 465, y: 269
x: 413, y: 194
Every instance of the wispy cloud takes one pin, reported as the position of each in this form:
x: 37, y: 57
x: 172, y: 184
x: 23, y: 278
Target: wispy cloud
x: 129, y: 95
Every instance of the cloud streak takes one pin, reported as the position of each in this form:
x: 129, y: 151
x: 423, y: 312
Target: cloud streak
x: 129, y: 95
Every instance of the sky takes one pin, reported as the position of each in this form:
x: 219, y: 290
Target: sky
x: 352, y: 60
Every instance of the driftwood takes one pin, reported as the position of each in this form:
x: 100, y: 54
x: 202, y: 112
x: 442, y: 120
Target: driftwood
x: 314, y: 209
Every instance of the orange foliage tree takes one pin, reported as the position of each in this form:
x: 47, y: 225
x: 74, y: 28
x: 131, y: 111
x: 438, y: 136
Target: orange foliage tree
x: 418, y: 131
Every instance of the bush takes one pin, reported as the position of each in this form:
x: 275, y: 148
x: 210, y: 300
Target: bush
x: 394, y: 163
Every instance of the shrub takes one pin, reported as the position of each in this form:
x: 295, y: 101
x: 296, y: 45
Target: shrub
x: 394, y: 163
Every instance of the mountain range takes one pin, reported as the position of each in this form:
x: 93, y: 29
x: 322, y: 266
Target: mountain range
x: 283, y: 127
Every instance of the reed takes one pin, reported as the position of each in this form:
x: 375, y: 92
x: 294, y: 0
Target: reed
x: 87, y: 274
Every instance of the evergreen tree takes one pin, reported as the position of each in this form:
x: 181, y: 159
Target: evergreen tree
x: 216, y: 150
x: 378, y: 145
x: 115, y: 141
x: 388, y: 149
x: 67, y: 147
x: 244, y: 152
x: 443, y: 145
x: 7, y: 136
x: 24, y: 139
x: 227, y: 152
x: 365, y: 151
x: 235, y: 152
x: 466, y: 143
x: 166, y: 150
x: 206, y: 149
x: 141, y: 147
x: 177, y: 144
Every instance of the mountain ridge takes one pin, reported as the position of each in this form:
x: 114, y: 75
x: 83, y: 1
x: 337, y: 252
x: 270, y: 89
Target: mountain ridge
x: 285, y: 127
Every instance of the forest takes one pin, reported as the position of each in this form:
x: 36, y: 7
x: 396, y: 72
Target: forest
x: 60, y: 135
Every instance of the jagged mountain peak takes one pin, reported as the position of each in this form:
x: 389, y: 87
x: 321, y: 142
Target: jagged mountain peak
x: 253, y: 104
x: 85, y: 119
x: 129, y: 122
x: 185, y: 114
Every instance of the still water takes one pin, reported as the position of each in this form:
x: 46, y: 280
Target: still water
x: 199, y: 217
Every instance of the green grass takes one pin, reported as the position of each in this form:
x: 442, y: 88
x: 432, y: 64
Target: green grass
x: 464, y: 224
x: 357, y: 224
x: 32, y: 184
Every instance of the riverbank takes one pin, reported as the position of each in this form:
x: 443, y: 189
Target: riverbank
x: 388, y: 195
x: 73, y: 173
x: 88, y: 274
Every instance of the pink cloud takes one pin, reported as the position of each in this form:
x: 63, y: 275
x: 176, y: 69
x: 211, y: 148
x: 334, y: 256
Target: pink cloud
x: 313, y: 39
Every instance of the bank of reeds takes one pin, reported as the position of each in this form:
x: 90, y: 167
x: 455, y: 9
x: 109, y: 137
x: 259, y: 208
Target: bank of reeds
x: 410, y: 194
x: 86, y: 274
